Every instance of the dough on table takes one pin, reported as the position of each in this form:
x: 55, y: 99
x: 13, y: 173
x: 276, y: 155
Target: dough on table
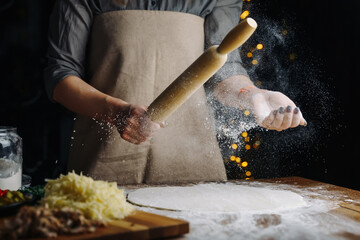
x: 216, y: 197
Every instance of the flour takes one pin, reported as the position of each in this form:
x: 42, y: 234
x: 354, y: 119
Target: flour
x: 10, y: 174
x: 312, y: 221
x: 214, y: 197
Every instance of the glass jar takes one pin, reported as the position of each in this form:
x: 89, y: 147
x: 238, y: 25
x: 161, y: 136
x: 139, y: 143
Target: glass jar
x: 10, y: 159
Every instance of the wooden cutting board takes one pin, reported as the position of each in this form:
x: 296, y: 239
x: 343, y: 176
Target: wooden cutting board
x: 141, y: 225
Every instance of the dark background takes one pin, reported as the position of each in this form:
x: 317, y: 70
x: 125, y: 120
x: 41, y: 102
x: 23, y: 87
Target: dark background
x: 315, y: 63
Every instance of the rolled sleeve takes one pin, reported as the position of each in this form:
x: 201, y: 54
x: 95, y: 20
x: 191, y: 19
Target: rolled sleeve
x: 69, y: 27
x: 224, y: 16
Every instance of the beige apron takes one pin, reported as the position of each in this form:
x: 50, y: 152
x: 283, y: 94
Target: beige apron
x: 134, y: 55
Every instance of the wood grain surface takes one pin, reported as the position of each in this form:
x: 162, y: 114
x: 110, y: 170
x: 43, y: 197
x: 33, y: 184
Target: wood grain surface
x: 140, y: 225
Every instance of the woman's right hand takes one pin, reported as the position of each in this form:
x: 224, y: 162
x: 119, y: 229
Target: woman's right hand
x: 132, y: 121
x: 134, y: 124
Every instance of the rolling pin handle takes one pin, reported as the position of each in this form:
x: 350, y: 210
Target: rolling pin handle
x: 237, y: 36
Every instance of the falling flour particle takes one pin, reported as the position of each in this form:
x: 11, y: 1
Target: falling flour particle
x: 217, y: 197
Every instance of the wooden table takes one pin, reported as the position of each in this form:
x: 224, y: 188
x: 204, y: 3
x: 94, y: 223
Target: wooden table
x: 349, y: 199
x: 340, y: 221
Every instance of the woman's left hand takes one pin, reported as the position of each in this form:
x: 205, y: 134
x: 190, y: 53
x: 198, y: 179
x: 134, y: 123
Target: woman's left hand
x: 274, y: 110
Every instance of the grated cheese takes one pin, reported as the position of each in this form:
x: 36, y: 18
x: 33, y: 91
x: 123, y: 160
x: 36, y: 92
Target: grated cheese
x: 97, y: 199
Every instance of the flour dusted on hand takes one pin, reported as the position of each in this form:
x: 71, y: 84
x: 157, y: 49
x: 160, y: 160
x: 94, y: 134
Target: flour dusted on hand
x: 214, y: 197
x: 98, y: 200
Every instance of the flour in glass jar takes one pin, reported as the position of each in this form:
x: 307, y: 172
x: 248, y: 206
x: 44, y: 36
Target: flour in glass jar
x: 10, y: 174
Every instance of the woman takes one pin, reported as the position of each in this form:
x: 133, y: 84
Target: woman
x: 109, y: 59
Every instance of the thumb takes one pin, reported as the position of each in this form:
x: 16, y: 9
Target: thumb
x: 303, y: 122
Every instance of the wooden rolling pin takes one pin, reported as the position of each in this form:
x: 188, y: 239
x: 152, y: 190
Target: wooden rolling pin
x: 199, y: 72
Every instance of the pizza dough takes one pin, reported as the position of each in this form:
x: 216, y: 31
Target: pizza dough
x: 216, y: 197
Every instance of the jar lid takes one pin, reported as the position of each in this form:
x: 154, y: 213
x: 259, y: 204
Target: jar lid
x: 7, y: 128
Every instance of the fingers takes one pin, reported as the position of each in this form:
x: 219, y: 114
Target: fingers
x: 284, y: 118
x: 269, y: 119
x: 296, y: 118
x: 279, y: 117
x: 288, y: 117
x: 137, y: 126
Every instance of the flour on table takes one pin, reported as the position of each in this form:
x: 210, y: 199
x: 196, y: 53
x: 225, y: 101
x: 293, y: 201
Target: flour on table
x: 216, y: 197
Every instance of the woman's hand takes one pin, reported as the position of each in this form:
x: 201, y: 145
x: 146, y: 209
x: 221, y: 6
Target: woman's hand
x: 274, y: 110
x: 132, y: 121
x: 134, y: 124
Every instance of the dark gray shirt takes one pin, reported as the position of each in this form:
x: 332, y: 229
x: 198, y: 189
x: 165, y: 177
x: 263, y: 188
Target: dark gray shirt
x: 71, y: 20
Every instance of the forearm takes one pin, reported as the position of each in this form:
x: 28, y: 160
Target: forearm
x: 81, y: 98
x: 236, y: 92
